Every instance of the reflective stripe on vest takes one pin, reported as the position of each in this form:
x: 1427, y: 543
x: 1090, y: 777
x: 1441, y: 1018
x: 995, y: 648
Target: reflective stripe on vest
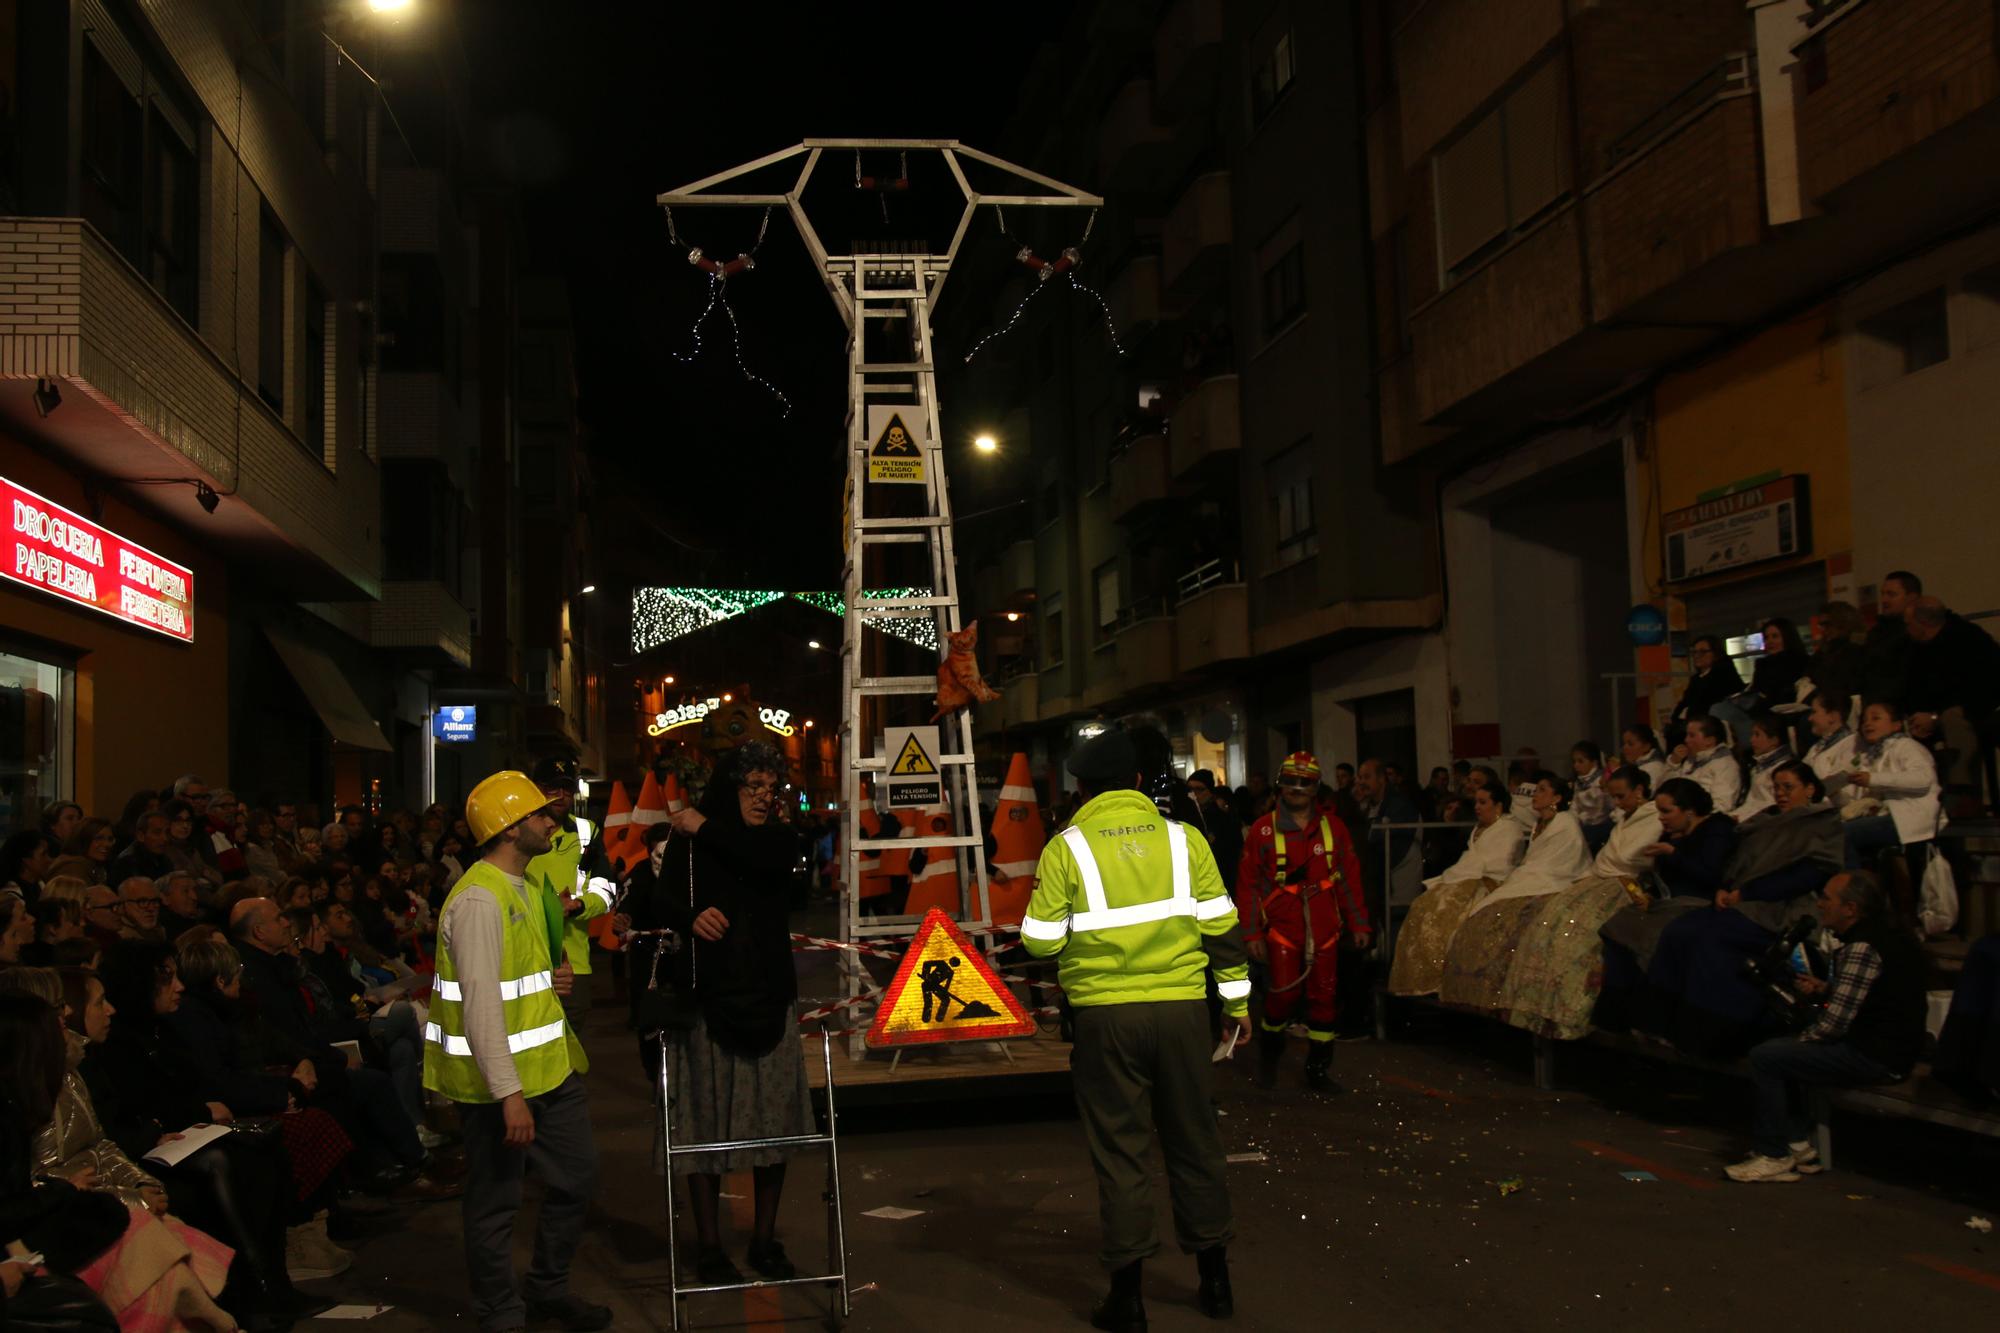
x: 1101, y: 916
x: 516, y: 1041
x: 509, y: 990
x: 1278, y: 841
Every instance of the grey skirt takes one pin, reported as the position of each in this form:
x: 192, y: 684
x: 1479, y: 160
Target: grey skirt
x: 719, y: 1097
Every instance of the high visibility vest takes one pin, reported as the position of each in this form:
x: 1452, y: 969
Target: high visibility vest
x: 545, y: 1051
x: 1129, y: 899
x: 558, y: 872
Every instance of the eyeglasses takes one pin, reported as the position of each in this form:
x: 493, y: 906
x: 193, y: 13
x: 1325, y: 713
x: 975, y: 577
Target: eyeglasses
x: 761, y: 789
x: 1298, y: 784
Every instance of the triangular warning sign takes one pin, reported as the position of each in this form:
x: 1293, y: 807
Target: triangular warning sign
x: 955, y: 995
x: 913, y: 762
x: 895, y: 441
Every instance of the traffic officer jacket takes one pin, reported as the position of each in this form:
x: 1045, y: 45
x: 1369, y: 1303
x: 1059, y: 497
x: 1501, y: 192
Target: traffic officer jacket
x: 1133, y: 903
x: 575, y: 864
x: 543, y: 1049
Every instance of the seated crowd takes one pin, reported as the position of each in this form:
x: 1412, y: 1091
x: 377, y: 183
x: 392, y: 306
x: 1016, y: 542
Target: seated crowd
x: 199, y: 964
x: 1695, y: 892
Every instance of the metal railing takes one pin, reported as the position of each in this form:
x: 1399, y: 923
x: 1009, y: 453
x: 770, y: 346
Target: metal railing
x: 1732, y: 76
x: 1203, y: 577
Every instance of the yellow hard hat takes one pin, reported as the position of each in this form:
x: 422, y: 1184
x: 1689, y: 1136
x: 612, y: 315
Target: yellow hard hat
x: 506, y: 798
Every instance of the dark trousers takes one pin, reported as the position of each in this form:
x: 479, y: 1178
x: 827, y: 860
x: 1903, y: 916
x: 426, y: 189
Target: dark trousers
x: 564, y: 1155
x: 1785, y: 1071
x: 1137, y: 1069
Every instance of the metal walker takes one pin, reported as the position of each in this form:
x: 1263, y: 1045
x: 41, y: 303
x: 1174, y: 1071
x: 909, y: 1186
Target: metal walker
x: 836, y: 1231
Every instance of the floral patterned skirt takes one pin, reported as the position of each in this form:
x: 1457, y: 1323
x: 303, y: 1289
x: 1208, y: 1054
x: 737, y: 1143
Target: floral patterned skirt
x: 1558, y: 970
x: 1434, y: 918
x: 1482, y: 952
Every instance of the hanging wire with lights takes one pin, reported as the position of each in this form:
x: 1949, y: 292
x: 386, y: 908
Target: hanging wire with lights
x: 719, y: 273
x: 1064, y: 267
x: 661, y: 615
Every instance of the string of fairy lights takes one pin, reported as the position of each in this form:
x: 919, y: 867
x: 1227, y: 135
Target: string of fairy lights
x: 718, y: 294
x: 661, y: 615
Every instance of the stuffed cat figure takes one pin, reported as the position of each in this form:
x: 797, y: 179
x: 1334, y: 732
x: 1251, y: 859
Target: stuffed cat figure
x: 959, y: 681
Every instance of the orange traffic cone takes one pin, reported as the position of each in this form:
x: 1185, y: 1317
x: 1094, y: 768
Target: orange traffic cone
x: 670, y: 795
x: 1018, y: 839
x: 936, y: 885
x: 618, y: 839
x: 650, y: 808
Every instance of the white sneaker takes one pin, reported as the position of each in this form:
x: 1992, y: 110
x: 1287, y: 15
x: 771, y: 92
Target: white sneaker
x: 1805, y: 1158
x: 1757, y: 1168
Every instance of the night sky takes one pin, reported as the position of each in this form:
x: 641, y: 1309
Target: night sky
x: 698, y: 478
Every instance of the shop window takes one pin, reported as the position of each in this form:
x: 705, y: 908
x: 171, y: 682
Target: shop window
x: 1281, y: 262
x: 271, y: 311
x: 1500, y: 176
x: 37, y: 738
x: 1272, y: 78
x: 1910, y: 337
x: 1052, y: 630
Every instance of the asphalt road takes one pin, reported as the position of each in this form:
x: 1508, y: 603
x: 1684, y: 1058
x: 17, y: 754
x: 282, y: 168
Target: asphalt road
x: 1392, y: 1207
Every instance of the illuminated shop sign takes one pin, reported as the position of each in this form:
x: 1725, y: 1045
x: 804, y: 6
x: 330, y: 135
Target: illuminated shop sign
x: 777, y: 720
x: 68, y: 556
x: 460, y: 722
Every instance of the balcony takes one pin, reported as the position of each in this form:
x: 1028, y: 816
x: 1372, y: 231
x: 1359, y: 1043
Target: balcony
x: 1104, y: 683
x: 1131, y: 149
x: 420, y: 419
x: 420, y: 614
x: 1212, y: 626
x: 1206, y: 427
x: 1017, y: 570
x: 1195, y: 245
x: 1187, y: 50
x: 1140, y: 477
x: 1134, y: 296
x: 1146, y: 647
x: 1875, y: 81
x: 143, y: 395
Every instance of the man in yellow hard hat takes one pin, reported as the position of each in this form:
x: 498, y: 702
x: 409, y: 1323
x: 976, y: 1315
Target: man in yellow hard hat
x: 498, y: 1045
x: 575, y: 872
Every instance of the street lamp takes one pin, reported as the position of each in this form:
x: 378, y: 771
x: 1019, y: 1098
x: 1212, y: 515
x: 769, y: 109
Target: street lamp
x: 389, y: 6
x: 813, y: 644
x: 986, y: 444
x: 588, y: 589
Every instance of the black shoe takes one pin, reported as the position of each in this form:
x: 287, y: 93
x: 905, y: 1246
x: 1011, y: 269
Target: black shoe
x: 1319, y: 1069
x: 713, y: 1269
x: 573, y: 1314
x: 1122, y: 1310
x: 768, y: 1258
x: 1270, y: 1052
x: 1217, y: 1300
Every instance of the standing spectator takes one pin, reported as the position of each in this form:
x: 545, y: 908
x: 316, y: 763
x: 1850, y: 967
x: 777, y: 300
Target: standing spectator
x: 1870, y: 1030
x: 1225, y: 835
x: 94, y: 840
x: 1715, y: 679
x: 1839, y: 663
x: 24, y: 863
x: 1438, y: 793
x: 1885, y: 654
x: 147, y: 856
x: 1954, y: 677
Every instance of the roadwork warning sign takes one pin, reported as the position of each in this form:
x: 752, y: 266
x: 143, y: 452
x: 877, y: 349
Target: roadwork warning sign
x: 945, y: 990
x: 912, y: 779
x: 895, y: 452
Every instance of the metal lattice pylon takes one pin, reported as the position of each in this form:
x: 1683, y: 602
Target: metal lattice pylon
x: 867, y: 287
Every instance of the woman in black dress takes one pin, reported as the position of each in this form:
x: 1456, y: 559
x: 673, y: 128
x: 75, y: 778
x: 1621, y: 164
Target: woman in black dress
x: 730, y: 881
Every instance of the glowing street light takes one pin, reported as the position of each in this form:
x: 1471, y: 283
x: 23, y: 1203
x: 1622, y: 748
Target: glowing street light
x: 813, y: 644
x: 1013, y: 616
x: 986, y: 444
x: 588, y: 589
x: 666, y: 680
x: 389, y: 6
x: 809, y: 723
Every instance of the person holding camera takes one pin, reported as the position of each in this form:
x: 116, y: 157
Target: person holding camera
x: 1869, y: 1027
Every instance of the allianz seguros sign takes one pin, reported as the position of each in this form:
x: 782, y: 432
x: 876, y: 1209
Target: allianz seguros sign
x: 65, y: 555
x: 1750, y: 524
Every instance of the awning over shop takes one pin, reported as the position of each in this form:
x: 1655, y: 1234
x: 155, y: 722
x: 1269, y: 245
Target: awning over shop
x: 338, y: 706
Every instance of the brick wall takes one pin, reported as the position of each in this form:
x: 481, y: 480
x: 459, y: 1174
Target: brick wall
x: 1895, y: 72
x: 1683, y: 203
x: 1453, y: 56
x: 1500, y: 317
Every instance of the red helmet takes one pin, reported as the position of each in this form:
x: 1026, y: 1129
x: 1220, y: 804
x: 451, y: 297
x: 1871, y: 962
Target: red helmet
x: 1299, y: 764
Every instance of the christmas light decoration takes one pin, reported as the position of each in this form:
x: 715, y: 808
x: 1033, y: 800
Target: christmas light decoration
x: 719, y: 273
x: 1064, y: 267
x: 661, y: 615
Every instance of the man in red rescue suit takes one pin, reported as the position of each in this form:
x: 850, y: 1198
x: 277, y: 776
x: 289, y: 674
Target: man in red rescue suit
x: 1297, y: 891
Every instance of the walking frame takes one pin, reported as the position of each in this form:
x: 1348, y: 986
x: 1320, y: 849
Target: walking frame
x: 836, y: 1233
